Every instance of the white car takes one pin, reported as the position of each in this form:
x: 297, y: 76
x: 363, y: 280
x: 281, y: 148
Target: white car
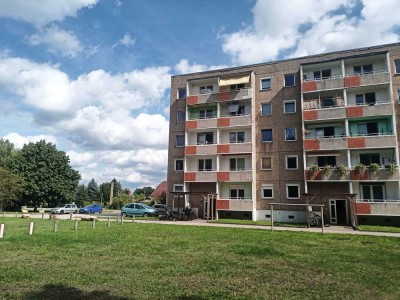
x: 65, y: 209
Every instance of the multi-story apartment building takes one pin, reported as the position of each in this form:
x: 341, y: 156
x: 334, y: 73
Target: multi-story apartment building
x: 320, y: 129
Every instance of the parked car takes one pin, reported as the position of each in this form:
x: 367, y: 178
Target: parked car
x: 161, y: 208
x: 65, y: 209
x: 136, y: 209
x: 91, y: 209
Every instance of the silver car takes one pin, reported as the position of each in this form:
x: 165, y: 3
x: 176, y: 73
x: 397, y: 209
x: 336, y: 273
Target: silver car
x: 65, y: 209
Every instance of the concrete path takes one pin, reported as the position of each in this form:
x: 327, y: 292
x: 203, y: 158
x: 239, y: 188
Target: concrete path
x: 330, y: 229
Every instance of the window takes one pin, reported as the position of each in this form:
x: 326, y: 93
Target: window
x: 325, y: 74
x: 398, y: 95
x: 205, y: 138
x: 180, y: 116
x: 266, y: 109
x: 293, y: 191
x: 206, y: 89
x: 397, y: 66
x: 237, y: 87
x: 206, y: 113
x: 267, y: 191
x: 180, y: 140
x: 181, y: 93
x: 328, y: 131
x: 289, y: 107
x: 367, y: 159
x: 266, y: 135
x: 374, y: 191
x: 236, y: 109
x: 236, y: 192
x: 367, y: 98
x: 178, y: 164
x: 236, y: 164
x: 266, y: 163
x: 327, y: 102
x: 290, y: 134
x: 265, y: 83
x: 369, y: 128
x: 205, y: 164
x: 289, y: 79
x: 326, y: 161
x: 291, y: 162
x: 365, y: 69
x: 178, y: 188
x: 236, y: 137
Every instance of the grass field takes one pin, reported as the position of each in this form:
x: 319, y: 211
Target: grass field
x: 152, y: 261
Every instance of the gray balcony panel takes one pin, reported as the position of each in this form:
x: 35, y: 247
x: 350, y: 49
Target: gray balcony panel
x: 206, y: 123
x: 240, y: 148
x: 330, y: 84
x: 206, y: 149
x: 208, y: 176
x: 240, y: 176
x: 380, y: 141
x: 240, y: 120
x: 375, y: 78
x: 332, y: 143
x: 378, y: 109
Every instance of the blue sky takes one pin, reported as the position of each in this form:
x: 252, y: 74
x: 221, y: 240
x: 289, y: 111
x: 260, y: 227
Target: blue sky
x: 93, y: 76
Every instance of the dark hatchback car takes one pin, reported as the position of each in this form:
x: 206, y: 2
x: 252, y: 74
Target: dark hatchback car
x: 161, y: 208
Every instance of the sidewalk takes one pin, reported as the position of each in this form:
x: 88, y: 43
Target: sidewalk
x: 327, y: 230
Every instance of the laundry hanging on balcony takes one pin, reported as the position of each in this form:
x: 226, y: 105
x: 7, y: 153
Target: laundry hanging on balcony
x: 243, y: 79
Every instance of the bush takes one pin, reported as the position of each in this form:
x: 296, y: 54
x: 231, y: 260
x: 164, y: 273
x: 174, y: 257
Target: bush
x: 120, y: 200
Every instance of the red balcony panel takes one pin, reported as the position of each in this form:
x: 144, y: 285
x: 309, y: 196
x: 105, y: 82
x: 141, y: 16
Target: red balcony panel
x: 354, y: 175
x: 191, y: 124
x: 313, y: 175
x: 222, y: 204
x: 363, y: 208
x: 310, y: 115
x: 352, y: 81
x: 190, y: 150
x: 190, y: 176
x: 223, y: 176
x: 223, y: 148
x: 191, y: 100
x: 311, y: 144
x: 309, y: 86
x: 223, y: 96
x: 354, y: 111
x: 356, y: 142
x: 223, y: 122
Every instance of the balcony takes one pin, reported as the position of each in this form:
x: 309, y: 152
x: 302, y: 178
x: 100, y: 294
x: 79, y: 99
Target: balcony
x: 377, y: 140
x: 201, y: 176
x: 208, y: 149
x: 378, y: 207
x: 232, y: 121
x: 327, y: 174
x: 224, y: 203
x: 382, y: 174
x: 235, y: 148
x: 220, y: 97
x: 336, y: 174
x: 325, y: 143
x: 329, y: 83
x: 235, y: 176
x: 370, y: 78
x: 368, y: 110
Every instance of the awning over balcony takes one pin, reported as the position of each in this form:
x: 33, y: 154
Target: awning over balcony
x: 234, y: 80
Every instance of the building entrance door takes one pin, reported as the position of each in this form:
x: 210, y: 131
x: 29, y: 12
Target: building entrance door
x: 338, y: 212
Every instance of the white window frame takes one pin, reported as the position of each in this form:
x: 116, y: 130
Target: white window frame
x: 267, y: 186
x: 270, y: 157
x: 270, y: 105
x: 398, y: 96
x: 237, y: 188
x: 177, y: 116
x: 270, y: 83
x: 294, y: 80
x: 397, y: 71
x: 295, y: 134
x: 177, y: 92
x: 176, y: 141
x: 284, y: 107
x: 175, y: 160
x: 236, y: 141
x: 287, y: 190
x: 178, y: 185
x: 286, y: 162
x: 206, y: 88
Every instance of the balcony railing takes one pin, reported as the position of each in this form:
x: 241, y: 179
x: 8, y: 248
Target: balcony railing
x: 378, y: 200
x: 237, y: 95
x: 323, y: 103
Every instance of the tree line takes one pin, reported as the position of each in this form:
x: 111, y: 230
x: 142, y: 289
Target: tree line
x: 39, y: 175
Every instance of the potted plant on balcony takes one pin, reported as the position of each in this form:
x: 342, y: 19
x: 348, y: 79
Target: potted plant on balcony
x: 342, y: 171
x: 314, y: 169
x: 360, y: 168
x: 327, y: 170
x: 392, y: 168
x: 374, y: 167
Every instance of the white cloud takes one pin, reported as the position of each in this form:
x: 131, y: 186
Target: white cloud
x: 126, y: 41
x: 19, y: 140
x: 304, y: 27
x: 41, y: 12
x: 184, y: 67
x: 81, y: 159
x: 45, y: 87
x: 57, y: 41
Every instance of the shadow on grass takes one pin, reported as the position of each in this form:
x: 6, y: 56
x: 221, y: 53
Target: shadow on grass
x: 60, y: 292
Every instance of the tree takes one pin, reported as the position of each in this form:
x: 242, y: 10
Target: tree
x: 147, y: 190
x: 7, y: 154
x: 93, y: 190
x: 81, y: 196
x: 10, y: 188
x: 105, y: 189
x: 47, y: 175
x: 120, y: 200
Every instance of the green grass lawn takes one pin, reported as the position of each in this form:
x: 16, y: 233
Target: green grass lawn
x: 378, y: 228
x: 260, y: 223
x: 154, y: 261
